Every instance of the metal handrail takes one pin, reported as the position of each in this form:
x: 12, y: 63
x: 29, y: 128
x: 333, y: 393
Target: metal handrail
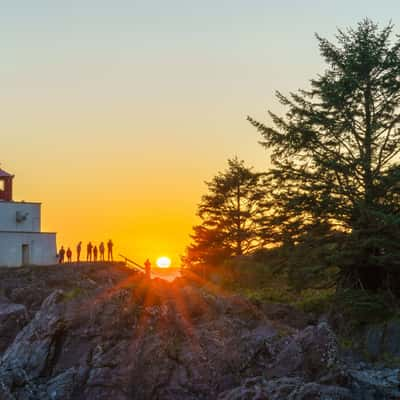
x: 135, y: 264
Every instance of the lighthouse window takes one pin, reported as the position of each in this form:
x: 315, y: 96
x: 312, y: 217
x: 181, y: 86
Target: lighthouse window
x: 2, y: 186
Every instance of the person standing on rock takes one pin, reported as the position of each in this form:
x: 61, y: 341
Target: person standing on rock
x: 95, y: 253
x: 78, y: 251
x: 147, y: 267
x: 69, y: 255
x: 110, y: 246
x: 61, y: 255
x: 89, y: 252
x: 101, y: 249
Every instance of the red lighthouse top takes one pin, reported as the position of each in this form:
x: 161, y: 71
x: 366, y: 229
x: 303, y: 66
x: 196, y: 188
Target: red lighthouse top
x: 5, y: 186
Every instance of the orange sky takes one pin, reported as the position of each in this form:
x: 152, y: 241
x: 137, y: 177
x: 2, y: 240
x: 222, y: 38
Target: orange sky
x: 146, y: 204
x: 114, y: 113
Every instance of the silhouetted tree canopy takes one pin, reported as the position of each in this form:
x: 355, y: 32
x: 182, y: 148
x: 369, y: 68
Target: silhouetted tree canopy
x: 229, y: 214
x: 335, y: 176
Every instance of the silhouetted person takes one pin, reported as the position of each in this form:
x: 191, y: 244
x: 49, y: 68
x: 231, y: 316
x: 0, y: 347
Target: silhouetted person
x: 95, y: 253
x: 69, y: 255
x: 147, y: 267
x: 110, y: 245
x: 101, y: 250
x: 89, y: 252
x: 61, y: 255
x: 78, y: 251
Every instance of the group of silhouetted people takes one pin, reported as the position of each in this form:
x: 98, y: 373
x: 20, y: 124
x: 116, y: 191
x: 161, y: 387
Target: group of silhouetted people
x: 93, y: 253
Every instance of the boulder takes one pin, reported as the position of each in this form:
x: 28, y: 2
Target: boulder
x: 250, y: 389
x: 13, y: 317
x: 391, y: 342
x: 62, y: 386
x: 312, y: 353
x: 31, y: 354
x: 373, y: 341
x: 288, y: 315
x: 369, y: 383
x: 285, y: 388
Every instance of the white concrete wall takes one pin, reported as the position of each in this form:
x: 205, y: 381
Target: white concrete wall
x: 42, y: 248
x: 8, y: 216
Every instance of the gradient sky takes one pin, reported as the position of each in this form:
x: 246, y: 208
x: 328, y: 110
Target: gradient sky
x: 114, y: 113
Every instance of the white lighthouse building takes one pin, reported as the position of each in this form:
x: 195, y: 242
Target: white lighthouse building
x: 21, y: 240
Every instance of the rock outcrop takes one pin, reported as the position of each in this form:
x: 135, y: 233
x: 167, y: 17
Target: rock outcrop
x: 13, y: 317
x: 104, y: 332
x: 382, y: 339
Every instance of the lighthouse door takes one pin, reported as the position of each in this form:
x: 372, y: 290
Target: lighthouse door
x: 25, y: 254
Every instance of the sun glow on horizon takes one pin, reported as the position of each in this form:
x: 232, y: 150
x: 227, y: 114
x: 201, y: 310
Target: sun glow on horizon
x: 163, y: 262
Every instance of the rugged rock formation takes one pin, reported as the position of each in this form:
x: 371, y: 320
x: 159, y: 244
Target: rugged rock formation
x: 383, y: 339
x: 13, y: 317
x: 104, y: 332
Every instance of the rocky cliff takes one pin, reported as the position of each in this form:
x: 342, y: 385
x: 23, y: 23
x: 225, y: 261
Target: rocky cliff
x: 104, y: 332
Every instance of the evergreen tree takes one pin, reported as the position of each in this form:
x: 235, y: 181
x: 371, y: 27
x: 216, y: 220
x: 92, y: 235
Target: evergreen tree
x: 229, y: 215
x: 335, y: 175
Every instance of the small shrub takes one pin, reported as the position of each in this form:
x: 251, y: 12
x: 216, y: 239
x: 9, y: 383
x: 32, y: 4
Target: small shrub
x: 73, y: 293
x: 318, y: 301
x: 362, y: 307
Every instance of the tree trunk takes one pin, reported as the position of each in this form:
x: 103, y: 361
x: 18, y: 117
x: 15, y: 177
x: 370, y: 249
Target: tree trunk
x: 239, y: 250
x: 368, y: 184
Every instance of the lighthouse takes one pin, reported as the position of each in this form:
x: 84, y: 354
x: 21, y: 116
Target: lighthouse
x: 21, y: 240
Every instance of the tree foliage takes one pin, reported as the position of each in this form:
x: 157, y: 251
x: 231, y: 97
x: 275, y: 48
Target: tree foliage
x: 335, y: 174
x: 230, y: 213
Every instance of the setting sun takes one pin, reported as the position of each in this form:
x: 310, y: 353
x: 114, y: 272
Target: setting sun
x: 163, y: 262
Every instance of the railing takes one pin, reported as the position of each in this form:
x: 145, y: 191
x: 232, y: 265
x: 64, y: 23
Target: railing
x: 133, y: 263
x: 139, y: 267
